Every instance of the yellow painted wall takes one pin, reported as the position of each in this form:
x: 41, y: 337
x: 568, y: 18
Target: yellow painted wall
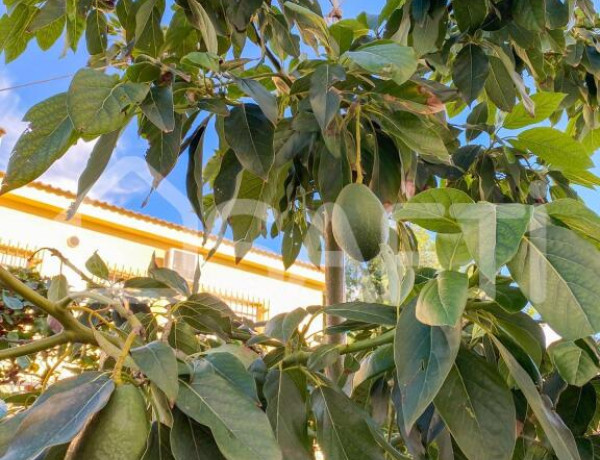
x: 34, y: 216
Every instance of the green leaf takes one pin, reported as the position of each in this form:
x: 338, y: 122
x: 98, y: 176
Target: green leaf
x: 229, y: 367
x: 375, y: 364
x: 97, y: 267
x: 431, y: 209
x: 212, y: 401
x: 558, y: 149
x: 414, y: 132
x: 575, y: 215
x: 48, y: 136
x: 250, y: 134
x: 577, y: 407
x: 194, y: 180
x: 264, y: 98
x: 325, y: 100
x: 323, y: 356
x: 560, y: 274
x: 96, y: 165
x: 499, y: 85
x: 158, y: 362
x: 183, y: 338
x: 201, y: 21
x: 10, y: 302
x: 443, y: 299
x: 284, y: 325
x: 530, y: 14
x: 58, y: 419
x: 58, y: 289
x: 470, y: 71
x: 386, y: 59
x: 343, y: 430
x: 574, y: 364
x: 159, y: 444
x: 312, y: 26
x: 478, y: 409
x: 558, y: 434
x: 164, y: 148
x: 424, y: 356
x: 192, y: 441
x: 240, y: 13
x: 51, y: 12
x: 97, y: 102
x: 451, y: 250
x: 372, y: 313
x: 469, y: 14
x: 492, y: 233
x: 96, y: 32
x: 545, y: 105
x: 291, y: 244
x: 286, y: 410
x: 158, y: 108
x: 171, y: 278
x: 249, y: 212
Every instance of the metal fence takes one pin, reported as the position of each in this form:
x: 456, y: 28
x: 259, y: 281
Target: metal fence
x: 15, y: 255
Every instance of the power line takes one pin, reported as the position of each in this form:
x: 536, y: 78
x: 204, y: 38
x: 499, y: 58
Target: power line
x: 36, y: 82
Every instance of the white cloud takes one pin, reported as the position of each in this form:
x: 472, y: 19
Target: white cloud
x: 122, y: 179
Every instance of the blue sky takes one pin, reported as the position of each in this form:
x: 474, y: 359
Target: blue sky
x: 127, y: 180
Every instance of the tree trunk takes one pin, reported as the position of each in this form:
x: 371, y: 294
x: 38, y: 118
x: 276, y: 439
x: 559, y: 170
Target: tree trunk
x: 335, y: 292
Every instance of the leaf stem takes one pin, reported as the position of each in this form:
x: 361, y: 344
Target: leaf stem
x: 121, y: 361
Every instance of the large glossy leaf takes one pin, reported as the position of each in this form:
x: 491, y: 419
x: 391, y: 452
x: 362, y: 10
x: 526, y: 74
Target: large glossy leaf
x: 266, y: 101
x: 575, y: 215
x: 545, y: 105
x: 192, y: 441
x: 250, y: 134
x: 492, y: 232
x: 443, y: 299
x: 558, y: 149
x: 325, y: 100
x: 342, y: 428
x: 432, y: 209
x: 157, y: 360
x: 229, y: 367
x: 59, y: 418
x: 201, y: 21
x: 163, y: 150
x: 451, y: 250
x: 97, y: 102
x: 389, y: 60
x: 469, y: 14
x: 158, y: 446
x: 96, y: 32
x: 284, y: 325
x: 424, y: 356
x: 559, y: 272
x: 558, y: 434
x: 48, y: 136
x: 470, y: 71
x: 286, y: 410
x: 499, y: 85
x: 212, y: 401
x: 575, y: 364
x: 478, y: 409
x: 374, y: 313
x: 415, y: 133
x: 158, y: 108
x: 376, y: 363
x: 97, y: 163
x: 577, y: 407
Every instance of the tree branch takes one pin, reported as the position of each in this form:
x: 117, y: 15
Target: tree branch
x: 301, y: 357
x: 36, y: 346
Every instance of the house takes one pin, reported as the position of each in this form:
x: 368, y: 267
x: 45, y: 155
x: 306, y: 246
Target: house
x: 258, y: 287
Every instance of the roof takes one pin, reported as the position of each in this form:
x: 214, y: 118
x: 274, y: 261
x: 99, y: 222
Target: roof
x: 44, y: 187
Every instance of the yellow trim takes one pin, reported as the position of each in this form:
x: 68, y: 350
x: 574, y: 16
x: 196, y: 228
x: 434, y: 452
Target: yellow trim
x: 48, y: 211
